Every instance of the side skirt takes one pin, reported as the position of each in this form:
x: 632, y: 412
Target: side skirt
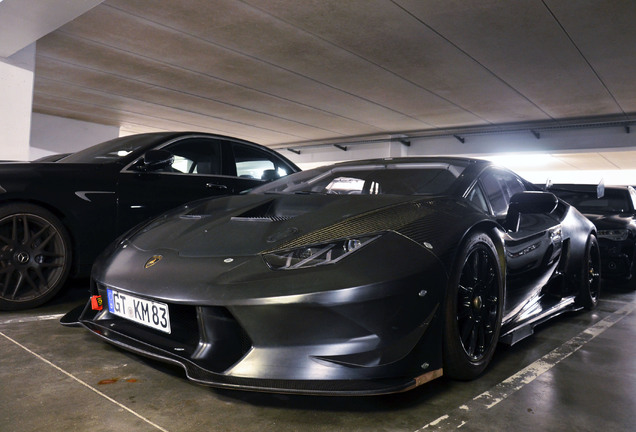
x: 523, y: 328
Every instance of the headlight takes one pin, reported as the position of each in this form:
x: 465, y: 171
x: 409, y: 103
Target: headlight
x: 315, y: 255
x: 556, y: 235
x: 616, y: 235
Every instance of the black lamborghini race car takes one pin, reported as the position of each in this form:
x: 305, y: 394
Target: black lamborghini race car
x: 364, y: 277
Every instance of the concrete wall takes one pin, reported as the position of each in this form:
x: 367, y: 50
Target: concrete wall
x: 16, y: 96
x: 50, y: 135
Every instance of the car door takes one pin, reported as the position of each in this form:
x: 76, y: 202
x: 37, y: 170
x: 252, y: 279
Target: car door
x: 532, y: 251
x: 197, y: 171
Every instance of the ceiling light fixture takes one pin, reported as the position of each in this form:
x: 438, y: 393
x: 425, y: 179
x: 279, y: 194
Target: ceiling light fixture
x: 522, y: 160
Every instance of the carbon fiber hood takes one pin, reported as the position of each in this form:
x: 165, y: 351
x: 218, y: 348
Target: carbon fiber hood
x: 250, y: 224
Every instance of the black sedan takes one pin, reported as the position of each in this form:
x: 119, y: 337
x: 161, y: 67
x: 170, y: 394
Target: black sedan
x: 364, y: 277
x: 56, y: 217
x: 613, y: 210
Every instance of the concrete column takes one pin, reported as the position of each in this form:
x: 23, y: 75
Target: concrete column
x: 16, y: 100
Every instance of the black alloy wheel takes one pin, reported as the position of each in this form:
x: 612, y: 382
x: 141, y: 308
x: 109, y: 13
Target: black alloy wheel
x: 473, y: 310
x: 590, y: 288
x: 477, y: 303
x: 34, y: 256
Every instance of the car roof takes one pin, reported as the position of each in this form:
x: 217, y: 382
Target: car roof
x: 416, y: 159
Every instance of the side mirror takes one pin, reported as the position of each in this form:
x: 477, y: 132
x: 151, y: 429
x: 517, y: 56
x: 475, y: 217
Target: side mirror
x: 156, y: 159
x: 529, y: 203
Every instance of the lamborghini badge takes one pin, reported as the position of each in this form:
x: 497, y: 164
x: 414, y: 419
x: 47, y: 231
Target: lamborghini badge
x: 152, y: 261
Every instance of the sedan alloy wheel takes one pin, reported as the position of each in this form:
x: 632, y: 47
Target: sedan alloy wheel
x: 34, y: 256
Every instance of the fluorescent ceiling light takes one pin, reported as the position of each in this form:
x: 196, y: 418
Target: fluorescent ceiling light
x: 522, y: 160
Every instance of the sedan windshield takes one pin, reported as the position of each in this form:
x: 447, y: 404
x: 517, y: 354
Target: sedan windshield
x: 398, y: 179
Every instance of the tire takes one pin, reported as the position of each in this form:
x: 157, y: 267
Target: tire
x: 473, y: 309
x: 631, y: 282
x: 590, y: 286
x: 35, y: 256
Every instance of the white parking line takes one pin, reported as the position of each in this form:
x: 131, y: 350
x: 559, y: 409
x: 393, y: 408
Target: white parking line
x: 488, y: 399
x: 32, y: 318
x: 83, y: 383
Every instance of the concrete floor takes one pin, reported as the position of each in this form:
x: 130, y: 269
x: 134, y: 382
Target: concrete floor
x: 576, y: 373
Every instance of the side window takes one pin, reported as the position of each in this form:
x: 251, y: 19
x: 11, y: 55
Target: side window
x: 257, y: 164
x: 196, y: 156
x: 512, y: 185
x: 499, y: 186
x: 476, y: 197
x: 494, y: 194
x: 191, y: 156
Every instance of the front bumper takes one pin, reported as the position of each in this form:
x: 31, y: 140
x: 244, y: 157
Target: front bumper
x: 196, y: 372
x: 617, y: 258
x: 370, y: 338
x: 347, y: 358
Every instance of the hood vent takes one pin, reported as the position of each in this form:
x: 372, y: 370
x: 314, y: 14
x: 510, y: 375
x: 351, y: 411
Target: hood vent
x: 266, y: 212
x: 262, y: 219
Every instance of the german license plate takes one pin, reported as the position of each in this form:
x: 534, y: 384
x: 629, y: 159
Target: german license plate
x: 147, y: 312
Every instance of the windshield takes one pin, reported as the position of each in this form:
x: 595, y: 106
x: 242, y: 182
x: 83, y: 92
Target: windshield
x: 109, y: 151
x: 399, y: 179
x: 586, y: 202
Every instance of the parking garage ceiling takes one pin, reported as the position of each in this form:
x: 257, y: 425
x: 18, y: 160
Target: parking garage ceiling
x: 288, y: 72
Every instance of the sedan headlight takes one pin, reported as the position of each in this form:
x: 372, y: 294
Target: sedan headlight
x: 616, y: 235
x: 315, y: 255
